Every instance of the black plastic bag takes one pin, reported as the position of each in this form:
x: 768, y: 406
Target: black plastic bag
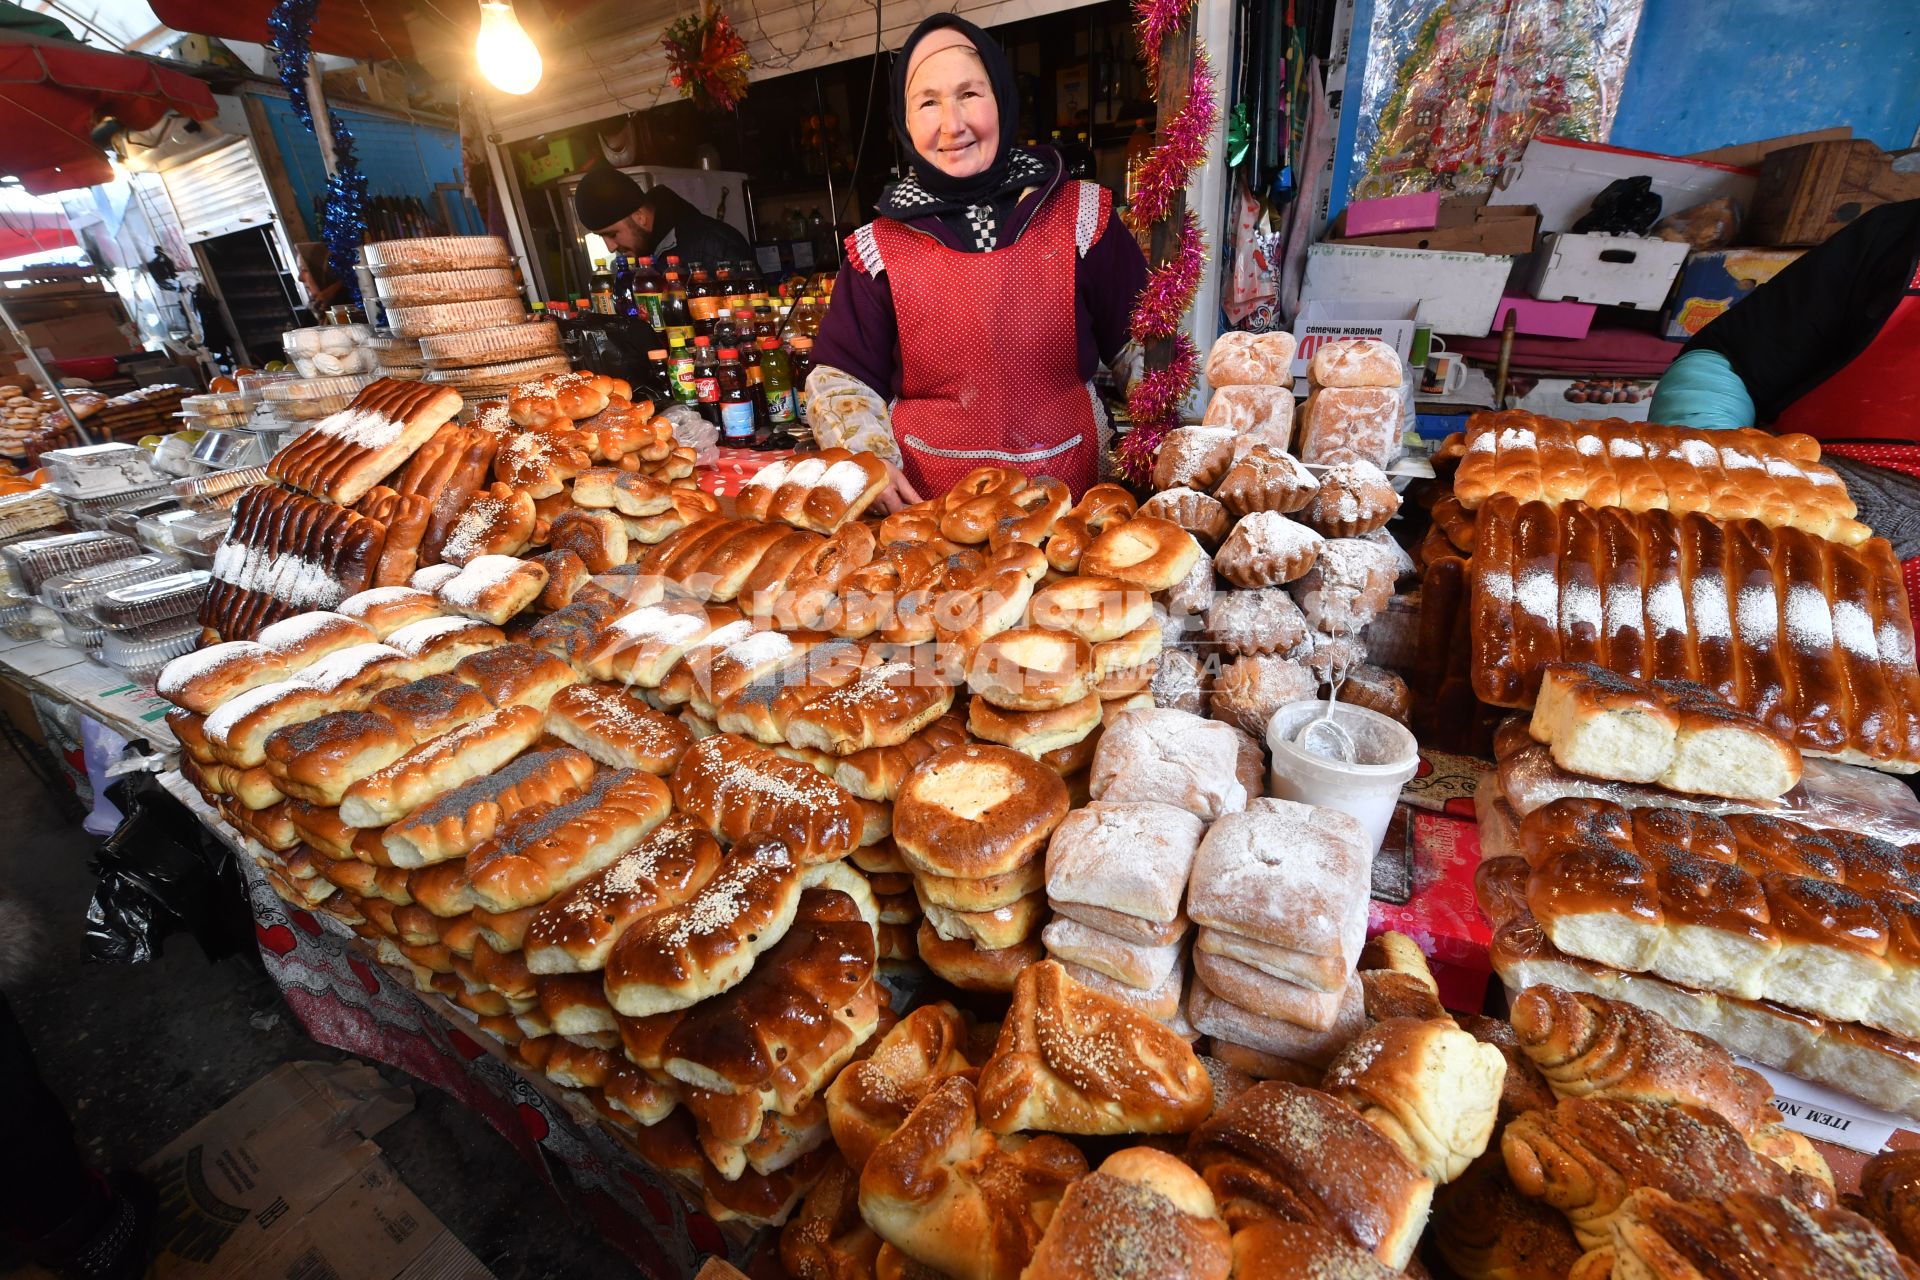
x: 616, y: 346
x: 161, y: 873
x: 1626, y: 207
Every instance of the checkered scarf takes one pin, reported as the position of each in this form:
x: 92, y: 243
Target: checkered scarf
x: 908, y: 199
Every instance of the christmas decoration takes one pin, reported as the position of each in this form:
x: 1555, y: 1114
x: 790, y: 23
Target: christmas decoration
x: 708, y: 58
x: 343, y: 217
x: 1158, y: 181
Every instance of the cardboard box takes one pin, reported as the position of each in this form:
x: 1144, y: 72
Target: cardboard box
x: 1451, y: 292
x: 1540, y: 319
x: 1809, y: 192
x: 1419, y: 211
x: 1465, y: 225
x: 1715, y: 280
x: 1608, y: 271
x: 283, y: 1181
x: 1561, y: 178
x: 1750, y: 155
x: 87, y: 334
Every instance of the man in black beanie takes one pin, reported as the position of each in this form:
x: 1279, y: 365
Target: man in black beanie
x: 656, y: 222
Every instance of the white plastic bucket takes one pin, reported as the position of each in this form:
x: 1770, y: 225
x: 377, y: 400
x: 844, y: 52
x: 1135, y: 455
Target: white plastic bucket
x: 1385, y: 756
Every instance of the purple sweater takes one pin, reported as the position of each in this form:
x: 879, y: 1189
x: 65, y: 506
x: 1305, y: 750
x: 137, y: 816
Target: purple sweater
x: 861, y: 336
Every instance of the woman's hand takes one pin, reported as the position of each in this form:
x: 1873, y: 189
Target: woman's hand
x: 898, y: 493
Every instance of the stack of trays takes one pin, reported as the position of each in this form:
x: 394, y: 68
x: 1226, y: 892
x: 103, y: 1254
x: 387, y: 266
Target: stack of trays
x: 455, y: 298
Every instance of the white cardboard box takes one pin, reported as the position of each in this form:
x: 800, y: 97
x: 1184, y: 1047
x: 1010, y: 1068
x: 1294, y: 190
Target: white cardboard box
x: 1452, y: 292
x: 1322, y: 321
x: 1561, y: 178
x: 1609, y: 271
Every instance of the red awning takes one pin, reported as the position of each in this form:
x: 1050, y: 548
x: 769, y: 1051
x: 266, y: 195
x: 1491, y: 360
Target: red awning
x: 23, y: 231
x: 53, y: 92
x: 365, y: 29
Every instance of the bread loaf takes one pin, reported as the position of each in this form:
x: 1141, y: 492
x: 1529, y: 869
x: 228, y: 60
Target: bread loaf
x: 460, y: 821
x: 1238, y: 358
x: 1676, y: 735
x: 734, y: 789
x: 1280, y: 1151
x: 437, y: 767
x: 677, y: 957
x: 872, y: 1098
x: 617, y: 729
x: 1129, y: 858
x: 1429, y: 1086
x: 1142, y: 1213
x: 1169, y: 757
x: 1071, y: 1060
x: 424, y: 709
x: 542, y: 853
x: 949, y: 1194
x: 1587, y: 1155
x: 794, y: 1020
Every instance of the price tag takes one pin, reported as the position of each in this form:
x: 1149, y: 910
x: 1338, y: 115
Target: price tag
x: 1820, y: 1112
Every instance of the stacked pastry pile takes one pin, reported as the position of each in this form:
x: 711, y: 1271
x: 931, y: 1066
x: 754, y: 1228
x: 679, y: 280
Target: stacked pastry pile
x: 1306, y: 558
x: 971, y: 825
x: 559, y: 859
x: 1117, y: 869
x: 1731, y: 559
x: 393, y: 483
x: 1627, y: 1147
x: 1786, y: 942
x: 28, y: 413
x: 1277, y: 1179
x: 457, y: 299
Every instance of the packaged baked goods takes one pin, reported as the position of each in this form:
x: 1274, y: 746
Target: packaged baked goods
x: 435, y: 253
x: 1346, y: 424
x: 34, y: 560
x: 454, y: 317
x: 156, y: 600
x: 1251, y: 359
x: 469, y: 348
x: 424, y: 287
x: 1355, y: 362
x: 75, y: 591
x: 1262, y: 413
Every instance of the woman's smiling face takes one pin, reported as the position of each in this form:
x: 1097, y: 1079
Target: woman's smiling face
x: 951, y: 112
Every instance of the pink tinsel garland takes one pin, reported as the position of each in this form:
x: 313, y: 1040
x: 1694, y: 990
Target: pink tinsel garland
x: 1170, y: 287
x: 1152, y: 20
x: 1154, y: 402
x: 1182, y: 149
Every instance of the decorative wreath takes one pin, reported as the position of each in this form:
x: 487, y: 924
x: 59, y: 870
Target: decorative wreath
x: 708, y: 58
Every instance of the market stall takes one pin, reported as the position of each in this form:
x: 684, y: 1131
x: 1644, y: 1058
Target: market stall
x: 865, y: 808
x: 701, y: 841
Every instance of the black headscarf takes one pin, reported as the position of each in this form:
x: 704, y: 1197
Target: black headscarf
x: 928, y: 189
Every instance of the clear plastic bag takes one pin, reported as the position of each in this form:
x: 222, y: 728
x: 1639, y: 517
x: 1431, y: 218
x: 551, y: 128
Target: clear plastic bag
x: 690, y: 429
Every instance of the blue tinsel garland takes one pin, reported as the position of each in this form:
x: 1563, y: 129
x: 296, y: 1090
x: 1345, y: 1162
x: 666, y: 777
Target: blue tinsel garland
x: 343, y: 218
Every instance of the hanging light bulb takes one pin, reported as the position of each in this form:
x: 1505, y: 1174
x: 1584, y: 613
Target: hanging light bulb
x: 507, y: 56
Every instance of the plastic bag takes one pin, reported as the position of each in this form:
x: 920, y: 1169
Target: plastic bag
x: 160, y: 873
x: 692, y: 429
x: 1624, y: 207
x: 616, y: 346
x: 1711, y: 225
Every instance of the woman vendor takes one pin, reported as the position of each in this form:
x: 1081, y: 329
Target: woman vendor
x: 1829, y: 347
x: 975, y: 310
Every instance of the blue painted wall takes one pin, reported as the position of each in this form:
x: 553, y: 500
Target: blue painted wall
x: 399, y: 158
x: 1709, y: 73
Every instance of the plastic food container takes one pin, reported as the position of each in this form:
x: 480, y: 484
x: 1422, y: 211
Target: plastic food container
x: 491, y: 346
x: 92, y: 513
x: 454, y: 317
x: 99, y: 468
x: 1385, y: 757
x: 35, y: 560
x: 217, y: 490
x: 69, y: 593
x: 141, y: 655
x: 446, y: 286
x: 177, y: 595
x: 81, y: 633
x: 213, y: 404
x: 435, y: 253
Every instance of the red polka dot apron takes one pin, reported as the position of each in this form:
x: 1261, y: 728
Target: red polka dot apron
x: 1873, y: 403
x: 989, y: 350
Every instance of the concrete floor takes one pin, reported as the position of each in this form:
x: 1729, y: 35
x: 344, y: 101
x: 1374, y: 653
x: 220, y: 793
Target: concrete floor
x: 142, y: 1052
